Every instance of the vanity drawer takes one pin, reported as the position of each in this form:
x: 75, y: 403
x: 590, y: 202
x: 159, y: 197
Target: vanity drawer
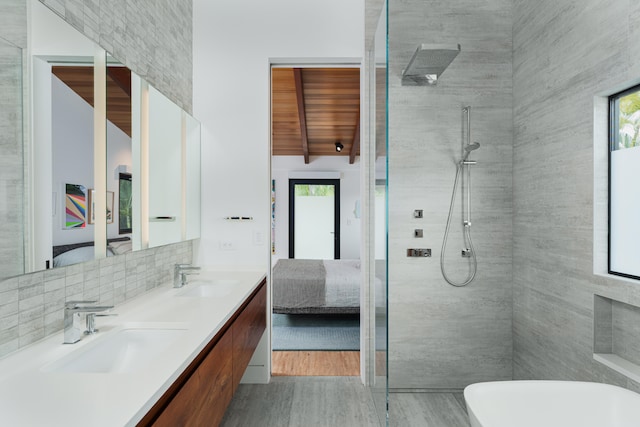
x: 203, y: 400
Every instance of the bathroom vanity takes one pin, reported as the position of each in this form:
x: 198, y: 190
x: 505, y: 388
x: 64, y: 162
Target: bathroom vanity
x: 170, y: 357
x: 203, y: 391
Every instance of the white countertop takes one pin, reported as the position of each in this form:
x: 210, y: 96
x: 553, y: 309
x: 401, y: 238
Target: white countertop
x: 31, y: 395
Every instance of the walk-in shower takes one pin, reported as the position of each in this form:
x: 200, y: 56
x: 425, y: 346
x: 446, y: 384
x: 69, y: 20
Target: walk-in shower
x: 463, y: 167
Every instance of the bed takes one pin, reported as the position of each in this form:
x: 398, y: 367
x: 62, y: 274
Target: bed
x: 75, y: 253
x: 303, y: 286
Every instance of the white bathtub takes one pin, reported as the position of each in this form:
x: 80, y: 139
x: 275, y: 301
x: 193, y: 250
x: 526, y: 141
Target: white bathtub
x: 551, y: 404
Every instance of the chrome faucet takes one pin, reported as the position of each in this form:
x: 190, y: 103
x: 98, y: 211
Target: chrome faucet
x: 180, y: 272
x: 73, y: 310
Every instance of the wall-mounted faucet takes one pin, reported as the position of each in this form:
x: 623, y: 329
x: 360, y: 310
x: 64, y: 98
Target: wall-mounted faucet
x: 180, y: 272
x: 73, y: 310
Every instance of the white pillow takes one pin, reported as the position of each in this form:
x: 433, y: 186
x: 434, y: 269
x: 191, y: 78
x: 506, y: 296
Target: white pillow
x: 120, y: 248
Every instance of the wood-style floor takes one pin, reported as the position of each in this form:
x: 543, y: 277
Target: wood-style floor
x: 315, y: 363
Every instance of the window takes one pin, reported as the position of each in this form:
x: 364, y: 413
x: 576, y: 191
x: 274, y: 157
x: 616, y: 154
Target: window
x: 124, y: 203
x: 624, y: 180
x: 314, y: 218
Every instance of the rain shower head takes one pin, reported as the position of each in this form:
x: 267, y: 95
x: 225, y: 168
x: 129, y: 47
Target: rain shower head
x: 427, y: 64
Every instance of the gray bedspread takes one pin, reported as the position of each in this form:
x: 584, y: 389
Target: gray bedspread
x: 298, y: 285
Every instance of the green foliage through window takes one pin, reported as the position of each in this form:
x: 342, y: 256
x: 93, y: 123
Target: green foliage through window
x: 627, y: 120
x: 310, y: 190
x: 125, y: 204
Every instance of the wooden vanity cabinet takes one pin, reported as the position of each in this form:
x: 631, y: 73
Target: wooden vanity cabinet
x: 247, y: 331
x: 200, y: 396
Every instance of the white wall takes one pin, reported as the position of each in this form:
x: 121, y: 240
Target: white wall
x: 233, y: 45
x: 349, y: 194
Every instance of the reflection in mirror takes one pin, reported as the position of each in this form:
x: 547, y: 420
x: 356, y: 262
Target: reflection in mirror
x: 63, y: 135
x: 145, y: 160
x: 119, y: 158
x: 12, y: 250
x: 165, y: 170
x: 192, y: 178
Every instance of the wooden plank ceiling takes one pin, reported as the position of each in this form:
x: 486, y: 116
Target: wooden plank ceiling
x: 80, y: 80
x: 312, y: 109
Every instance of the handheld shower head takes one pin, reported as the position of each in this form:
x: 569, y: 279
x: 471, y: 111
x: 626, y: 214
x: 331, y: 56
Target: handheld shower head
x: 470, y: 147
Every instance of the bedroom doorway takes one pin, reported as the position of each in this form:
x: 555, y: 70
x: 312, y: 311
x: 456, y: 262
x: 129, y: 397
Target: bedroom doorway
x: 315, y: 173
x: 314, y: 218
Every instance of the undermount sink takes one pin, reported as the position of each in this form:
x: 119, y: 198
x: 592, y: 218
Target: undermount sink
x: 209, y: 288
x: 124, y: 351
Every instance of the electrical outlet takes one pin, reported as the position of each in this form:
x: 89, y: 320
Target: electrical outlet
x: 226, y: 245
x: 258, y: 238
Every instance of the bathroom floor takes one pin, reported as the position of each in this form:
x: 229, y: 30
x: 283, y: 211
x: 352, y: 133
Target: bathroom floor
x: 427, y: 409
x: 337, y: 401
x: 302, y: 401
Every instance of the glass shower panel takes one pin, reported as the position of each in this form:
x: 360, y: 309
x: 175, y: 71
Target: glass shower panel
x: 378, y: 93
x: 11, y: 157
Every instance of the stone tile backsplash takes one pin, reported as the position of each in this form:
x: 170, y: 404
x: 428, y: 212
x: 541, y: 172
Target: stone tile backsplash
x: 31, y: 306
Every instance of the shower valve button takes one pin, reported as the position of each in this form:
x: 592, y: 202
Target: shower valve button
x: 418, y: 253
x: 418, y: 232
x: 417, y: 213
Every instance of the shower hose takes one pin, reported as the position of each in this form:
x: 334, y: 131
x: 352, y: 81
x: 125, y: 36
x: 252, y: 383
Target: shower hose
x: 467, y: 236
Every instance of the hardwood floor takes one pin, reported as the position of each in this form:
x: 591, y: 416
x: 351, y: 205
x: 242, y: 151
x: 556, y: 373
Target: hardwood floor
x: 315, y: 363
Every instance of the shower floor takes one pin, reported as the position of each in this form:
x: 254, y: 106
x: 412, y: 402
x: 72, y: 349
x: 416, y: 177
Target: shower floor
x: 427, y: 409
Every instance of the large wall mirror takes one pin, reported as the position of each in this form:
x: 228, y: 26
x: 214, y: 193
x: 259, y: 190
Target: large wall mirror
x: 57, y: 222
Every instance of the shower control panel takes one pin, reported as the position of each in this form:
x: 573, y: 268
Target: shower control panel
x: 418, y: 253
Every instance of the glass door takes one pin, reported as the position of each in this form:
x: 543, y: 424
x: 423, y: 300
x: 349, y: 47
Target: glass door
x: 314, y: 219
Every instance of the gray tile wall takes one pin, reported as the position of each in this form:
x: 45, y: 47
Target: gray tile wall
x: 153, y: 38
x: 565, y: 53
x: 13, y: 38
x: 31, y: 306
x: 441, y: 336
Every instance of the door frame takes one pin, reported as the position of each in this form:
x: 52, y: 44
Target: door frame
x: 336, y: 211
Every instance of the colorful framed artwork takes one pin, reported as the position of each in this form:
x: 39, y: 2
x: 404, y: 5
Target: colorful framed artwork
x: 75, y: 202
x: 92, y: 207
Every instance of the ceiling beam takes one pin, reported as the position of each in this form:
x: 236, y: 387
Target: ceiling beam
x: 297, y: 75
x: 122, y: 77
x: 355, y: 144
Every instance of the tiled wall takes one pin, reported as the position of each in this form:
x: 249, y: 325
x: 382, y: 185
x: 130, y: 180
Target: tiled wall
x: 565, y: 53
x: 31, y: 306
x: 152, y: 37
x: 441, y: 336
x: 13, y: 40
